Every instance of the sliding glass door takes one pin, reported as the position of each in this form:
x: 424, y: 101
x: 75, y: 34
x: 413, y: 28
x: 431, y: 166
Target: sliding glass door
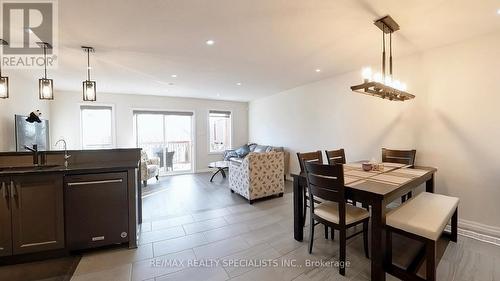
x: 167, y: 135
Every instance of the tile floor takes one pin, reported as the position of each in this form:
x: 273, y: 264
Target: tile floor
x: 215, y: 235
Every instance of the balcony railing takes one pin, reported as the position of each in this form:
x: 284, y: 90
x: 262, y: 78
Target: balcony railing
x: 179, y: 161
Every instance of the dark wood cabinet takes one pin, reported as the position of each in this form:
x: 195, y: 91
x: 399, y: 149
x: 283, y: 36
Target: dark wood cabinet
x: 37, y: 211
x: 5, y: 218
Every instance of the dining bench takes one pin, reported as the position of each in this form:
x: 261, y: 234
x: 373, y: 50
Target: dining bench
x: 424, y: 219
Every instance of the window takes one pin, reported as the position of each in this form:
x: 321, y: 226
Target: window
x: 220, y: 130
x: 168, y: 136
x: 97, y: 127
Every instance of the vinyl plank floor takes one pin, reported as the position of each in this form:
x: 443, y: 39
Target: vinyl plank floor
x: 197, y: 230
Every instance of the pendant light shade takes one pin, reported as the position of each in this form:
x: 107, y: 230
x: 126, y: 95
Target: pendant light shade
x: 4, y: 81
x: 45, y: 85
x: 46, y: 89
x: 89, y: 91
x: 4, y: 87
x: 89, y: 86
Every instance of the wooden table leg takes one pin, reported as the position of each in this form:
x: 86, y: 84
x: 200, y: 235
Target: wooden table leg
x: 429, y: 185
x: 298, y: 229
x: 377, y: 251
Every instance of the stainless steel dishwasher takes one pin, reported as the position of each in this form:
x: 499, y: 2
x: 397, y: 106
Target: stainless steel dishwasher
x: 96, y: 210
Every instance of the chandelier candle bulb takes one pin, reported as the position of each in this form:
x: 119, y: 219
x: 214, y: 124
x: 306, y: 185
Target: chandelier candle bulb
x: 367, y: 74
x: 388, y: 81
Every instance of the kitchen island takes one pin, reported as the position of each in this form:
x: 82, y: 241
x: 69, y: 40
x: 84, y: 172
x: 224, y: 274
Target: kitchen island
x: 54, y: 208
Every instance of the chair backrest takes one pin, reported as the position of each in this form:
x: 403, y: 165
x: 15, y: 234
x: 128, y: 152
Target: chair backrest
x: 306, y: 157
x: 169, y: 157
x: 399, y: 156
x: 326, y: 182
x: 144, y: 155
x: 335, y: 156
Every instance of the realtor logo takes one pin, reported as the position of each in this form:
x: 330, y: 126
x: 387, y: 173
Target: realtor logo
x: 24, y: 23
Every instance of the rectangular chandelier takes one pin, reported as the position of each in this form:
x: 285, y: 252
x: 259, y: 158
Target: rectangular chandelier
x: 383, y: 85
x: 380, y: 90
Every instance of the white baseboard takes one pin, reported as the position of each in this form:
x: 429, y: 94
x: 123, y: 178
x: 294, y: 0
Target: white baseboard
x: 478, y: 231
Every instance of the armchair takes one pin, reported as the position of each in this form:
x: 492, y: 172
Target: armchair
x: 150, y: 167
x: 258, y: 175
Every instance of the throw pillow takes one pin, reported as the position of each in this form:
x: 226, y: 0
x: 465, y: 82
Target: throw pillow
x: 230, y: 154
x: 252, y: 146
x: 243, y: 151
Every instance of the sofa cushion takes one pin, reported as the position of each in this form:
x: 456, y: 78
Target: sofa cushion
x: 236, y: 161
x: 277, y: 148
x: 243, y: 151
x: 260, y: 148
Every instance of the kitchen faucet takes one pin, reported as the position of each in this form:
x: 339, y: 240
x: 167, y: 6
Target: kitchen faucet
x: 66, y: 156
x: 35, y: 153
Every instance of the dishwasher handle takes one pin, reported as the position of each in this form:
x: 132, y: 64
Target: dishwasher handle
x: 94, y: 182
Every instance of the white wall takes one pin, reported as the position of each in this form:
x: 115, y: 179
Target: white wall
x: 23, y: 100
x: 461, y: 135
x: 453, y: 123
x: 327, y: 115
x: 65, y: 112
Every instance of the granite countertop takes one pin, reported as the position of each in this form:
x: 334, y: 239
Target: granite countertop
x: 71, y: 169
x: 50, y: 152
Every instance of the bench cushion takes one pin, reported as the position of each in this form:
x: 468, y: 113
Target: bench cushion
x: 425, y: 215
x: 329, y: 211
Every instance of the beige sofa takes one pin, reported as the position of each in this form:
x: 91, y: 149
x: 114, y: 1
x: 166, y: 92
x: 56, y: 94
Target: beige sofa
x: 258, y: 175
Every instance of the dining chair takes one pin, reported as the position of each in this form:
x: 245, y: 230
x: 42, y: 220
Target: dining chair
x: 406, y: 157
x: 326, y: 182
x: 314, y: 157
x: 335, y: 156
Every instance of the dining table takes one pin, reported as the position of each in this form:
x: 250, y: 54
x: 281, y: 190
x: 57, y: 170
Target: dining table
x: 374, y: 188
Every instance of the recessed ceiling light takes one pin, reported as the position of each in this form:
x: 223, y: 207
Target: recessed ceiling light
x: 173, y: 75
x: 210, y: 42
x: 318, y: 70
x: 238, y: 84
x: 498, y: 11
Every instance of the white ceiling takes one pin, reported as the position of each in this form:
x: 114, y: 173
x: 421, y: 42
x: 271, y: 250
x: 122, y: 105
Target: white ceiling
x: 267, y: 45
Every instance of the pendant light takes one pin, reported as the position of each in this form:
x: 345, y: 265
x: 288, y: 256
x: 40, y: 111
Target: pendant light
x: 380, y: 84
x: 89, y: 86
x: 4, y: 81
x: 45, y: 85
